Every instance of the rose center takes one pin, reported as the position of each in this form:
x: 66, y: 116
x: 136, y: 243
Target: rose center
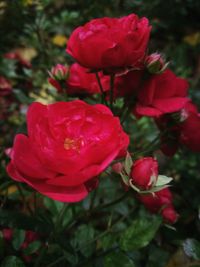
x: 74, y: 144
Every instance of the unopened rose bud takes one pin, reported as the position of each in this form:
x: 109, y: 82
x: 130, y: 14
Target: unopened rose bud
x: 59, y: 72
x: 169, y: 214
x: 144, y: 172
x: 117, y: 167
x: 155, y: 63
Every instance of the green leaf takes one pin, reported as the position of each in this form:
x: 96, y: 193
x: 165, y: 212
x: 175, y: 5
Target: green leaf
x: 83, y: 237
x: 125, y: 178
x: 163, y: 180
x: 18, y: 238
x: 192, y: 248
x: 118, y: 259
x: 32, y: 247
x: 140, y: 233
x: 53, y: 206
x: 128, y: 163
x: 108, y: 241
x: 154, y: 189
x: 12, y: 261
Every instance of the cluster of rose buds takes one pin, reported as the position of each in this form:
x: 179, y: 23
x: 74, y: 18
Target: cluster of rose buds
x: 69, y: 144
x: 152, y: 189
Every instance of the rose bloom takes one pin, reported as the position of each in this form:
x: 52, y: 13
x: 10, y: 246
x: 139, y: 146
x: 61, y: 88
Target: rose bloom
x: 81, y: 81
x: 161, y: 94
x: 106, y: 43
x: 68, y: 145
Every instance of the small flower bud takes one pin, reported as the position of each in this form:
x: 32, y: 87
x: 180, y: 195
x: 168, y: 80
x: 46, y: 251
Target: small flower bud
x: 155, y: 63
x: 144, y: 172
x: 59, y: 72
x: 169, y: 214
x: 117, y: 167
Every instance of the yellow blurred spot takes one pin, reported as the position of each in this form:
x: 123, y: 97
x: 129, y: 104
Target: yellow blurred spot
x: 2, y: 7
x: 30, y: 2
x: 43, y: 97
x: 27, y: 53
x: 10, y: 190
x: 59, y: 40
x: 192, y: 39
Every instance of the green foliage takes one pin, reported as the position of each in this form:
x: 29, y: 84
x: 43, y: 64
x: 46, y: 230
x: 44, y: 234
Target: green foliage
x: 140, y: 233
x: 12, y: 261
x: 118, y: 259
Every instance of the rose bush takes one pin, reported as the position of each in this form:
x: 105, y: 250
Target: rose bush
x: 110, y: 42
x: 68, y: 144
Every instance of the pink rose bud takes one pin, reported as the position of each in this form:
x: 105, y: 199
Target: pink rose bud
x: 169, y: 214
x: 144, y: 172
x: 59, y: 72
x: 117, y: 167
x: 155, y: 63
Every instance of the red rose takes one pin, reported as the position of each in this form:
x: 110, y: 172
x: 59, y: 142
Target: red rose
x: 5, y: 86
x: 162, y: 93
x: 190, y: 128
x: 68, y: 144
x: 160, y: 201
x: 81, y: 81
x: 110, y: 42
x: 144, y: 172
